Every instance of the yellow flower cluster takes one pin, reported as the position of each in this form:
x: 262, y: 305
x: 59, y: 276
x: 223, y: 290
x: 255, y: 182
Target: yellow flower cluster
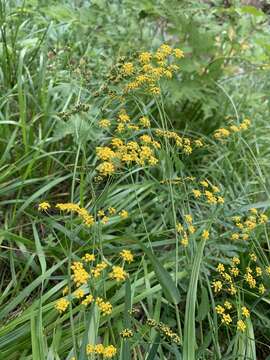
x: 126, y: 333
x: 87, y: 218
x: 211, y: 193
x: 97, y: 270
x: 164, y: 330
x: 61, y: 305
x: 148, y: 69
x: 107, y: 352
x: 88, y: 257
x: 183, y: 143
x: 44, y: 206
x: 227, y: 319
x: 118, y: 273
x: 119, y: 154
x: 127, y: 256
x: 243, y: 226
x: 223, y: 133
x: 105, y: 307
x: 80, y: 276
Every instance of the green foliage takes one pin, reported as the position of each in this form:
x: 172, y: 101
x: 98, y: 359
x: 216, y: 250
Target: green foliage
x: 55, y: 57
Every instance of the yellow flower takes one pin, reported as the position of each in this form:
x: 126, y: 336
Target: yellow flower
x: 263, y: 219
x: 232, y: 290
x: 78, y: 294
x: 220, y: 309
x: 258, y: 271
x: 109, y: 352
x: 205, y: 234
x: 145, y: 57
x: 179, y: 227
x: 196, y: 193
x: 267, y: 269
x: 127, y: 255
x: 261, y: 289
x: 217, y: 285
x: 204, y: 183
x: 241, y: 326
x: 61, y: 305
x: 44, y: 206
x: 245, y: 312
x: 96, y: 272
x: 128, y: 68
x: 178, y: 53
x: 144, y: 121
x: 123, y: 214
x: 80, y: 275
x: 112, y: 210
x: 65, y: 291
x: 106, y: 168
x: 235, y: 260
x: 188, y: 218
x: 88, y: 257
x: 105, y: 153
x: 228, y: 305
x: 191, y: 229
x: 235, y: 236
x: 88, y: 300
x: 253, y: 211
x: 226, y: 319
x: 118, y: 273
x: 104, y: 307
x: 221, y: 133
x: 104, y: 123
x: 126, y: 333
x: 220, y: 268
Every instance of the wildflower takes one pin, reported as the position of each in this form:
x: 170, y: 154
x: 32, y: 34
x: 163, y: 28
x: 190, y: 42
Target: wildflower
x: 241, y: 326
x: 261, y: 289
x: 61, y: 305
x: 179, y: 227
x: 79, y: 293
x: 198, y: 143
x: 228, y: 305
x: 219, y: 309
x: 90, y: 349
x: 109, y: 352
x: 123, y: 214
x: 258, y: 271
x: 236, y: 260
x: 96, y: 272
x: 226, y: 319
x: 184, y: 240
x: 123, y: 116
x: 267, y: 269
x: 232, y: 290
x: 88, y: 300
x: 236, y: 219
x: 104, y: 123
x: 118, y: 273
x: 88, y: 257
x: 235, y: 236
x: 211, y: 199
x: 128, y: 68
x: 196, y: 193
x: 205, y: 234
x: 245, y: 237
x: 104, y: 307
x: 204, y: 183
x: 126, y: 333
x: 215, y: 189
x: 178, y: 53
x: 263, y: 219
x: 191, y: 229
x: 253, y: 211
x: 105, y: 153
x: 44, y: 206
x: 245, y: 312
x: 105, y: 220
x: 188, y: 218
x: 106, y: 168
x: 80, y: 275
x: 250, y: 280
x: 144, y: 121
x: 127, y: 256
x: 112, y: 210
x: 146, y: 139
x: 145, y: 57
x: 217, y: 285
x: 221, y: 133
x: 220, y: 200
x: 220, y: 268
x: 234, y: 271
x: 155, y: 90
